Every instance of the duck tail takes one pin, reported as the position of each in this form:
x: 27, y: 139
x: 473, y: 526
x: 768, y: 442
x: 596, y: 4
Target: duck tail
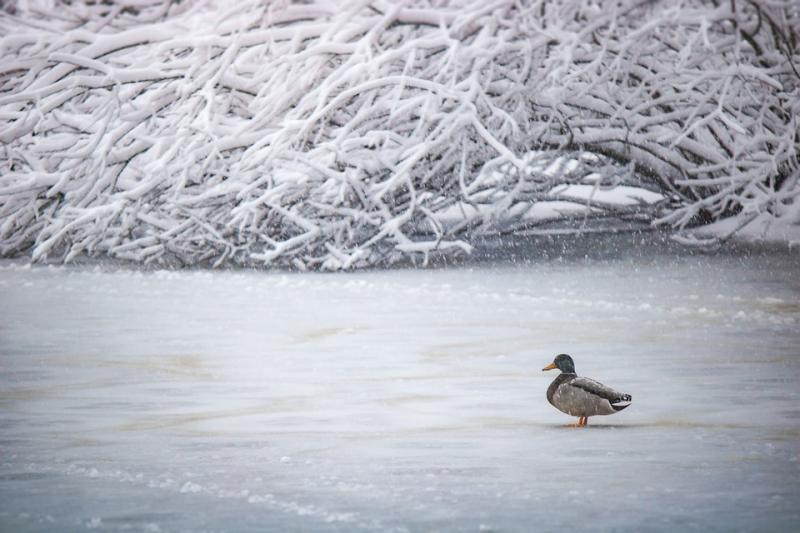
x: 622, y: 402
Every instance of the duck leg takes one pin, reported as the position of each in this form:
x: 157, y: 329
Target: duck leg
x: 582, y: 421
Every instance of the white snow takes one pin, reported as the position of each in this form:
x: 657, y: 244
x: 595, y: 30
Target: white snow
x: 784, y: 230
x: 618, y: 195
x: 328, y: 136
x: 408, y: 400
x: 528, y: 211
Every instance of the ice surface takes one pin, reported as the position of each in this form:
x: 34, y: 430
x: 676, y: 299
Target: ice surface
x: 409, y: 400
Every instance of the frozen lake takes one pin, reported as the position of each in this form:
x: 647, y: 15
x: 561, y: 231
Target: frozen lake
x: 409, y: 400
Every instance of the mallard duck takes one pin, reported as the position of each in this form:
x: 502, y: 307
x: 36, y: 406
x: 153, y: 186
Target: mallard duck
x: 582, y: 397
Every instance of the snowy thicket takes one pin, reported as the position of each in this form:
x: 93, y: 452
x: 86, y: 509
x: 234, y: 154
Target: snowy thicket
x: 343, y: 134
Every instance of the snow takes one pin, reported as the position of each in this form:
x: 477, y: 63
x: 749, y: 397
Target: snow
x: 408, y: 400
x: 619, y: 195
x: 534, y: 211
x: 764, y: 228
x: 316, y: 137
x: 555, y: 200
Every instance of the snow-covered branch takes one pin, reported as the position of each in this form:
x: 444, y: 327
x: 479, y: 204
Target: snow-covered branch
x: 343, y: 134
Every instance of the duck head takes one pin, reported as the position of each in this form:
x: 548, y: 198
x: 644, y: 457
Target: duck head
x: 562, y: 362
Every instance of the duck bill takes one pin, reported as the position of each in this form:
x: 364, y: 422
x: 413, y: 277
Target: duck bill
x: 551, y: 366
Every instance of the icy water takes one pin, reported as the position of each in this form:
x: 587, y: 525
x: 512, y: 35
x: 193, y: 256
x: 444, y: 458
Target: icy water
x: 409, y: 400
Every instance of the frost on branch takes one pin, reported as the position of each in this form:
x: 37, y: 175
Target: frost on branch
x: 343, y: 134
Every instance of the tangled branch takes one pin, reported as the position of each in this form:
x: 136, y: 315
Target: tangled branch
x: 334, y: 135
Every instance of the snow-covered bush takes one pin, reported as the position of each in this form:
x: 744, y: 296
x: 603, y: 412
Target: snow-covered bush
x: 343, y: 134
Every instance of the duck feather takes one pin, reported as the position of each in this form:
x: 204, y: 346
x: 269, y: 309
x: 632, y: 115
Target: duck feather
x: 580, y: 396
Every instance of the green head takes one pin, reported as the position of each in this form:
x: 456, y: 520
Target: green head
x: 562, y: 362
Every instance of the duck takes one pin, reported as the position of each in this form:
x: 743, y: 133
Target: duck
x: 582, y: 397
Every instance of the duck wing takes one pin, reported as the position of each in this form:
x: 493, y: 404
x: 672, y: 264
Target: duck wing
x: 618, y: 400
